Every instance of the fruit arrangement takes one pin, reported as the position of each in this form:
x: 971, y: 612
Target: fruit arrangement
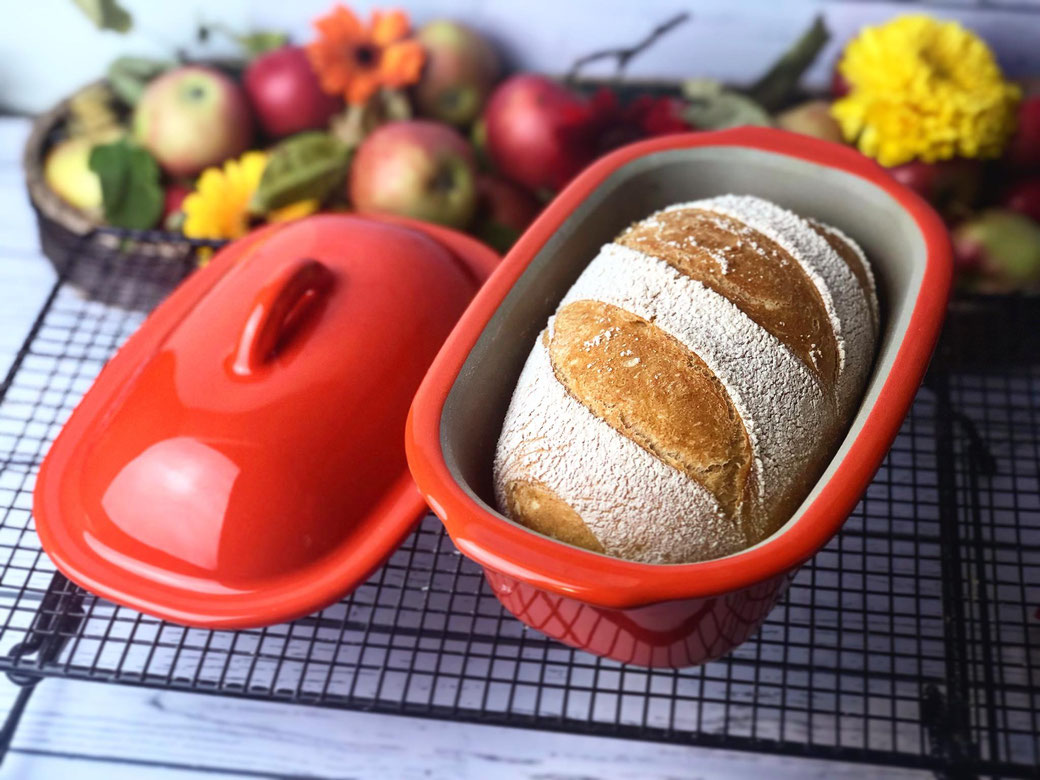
x: 373, y: 116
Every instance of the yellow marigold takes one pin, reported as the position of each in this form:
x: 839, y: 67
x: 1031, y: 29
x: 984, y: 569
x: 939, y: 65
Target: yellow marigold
x: 924, y: 89
x: 219, y: 206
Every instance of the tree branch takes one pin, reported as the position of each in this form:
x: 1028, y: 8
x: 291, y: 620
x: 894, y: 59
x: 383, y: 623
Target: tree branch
x: 626, y: 54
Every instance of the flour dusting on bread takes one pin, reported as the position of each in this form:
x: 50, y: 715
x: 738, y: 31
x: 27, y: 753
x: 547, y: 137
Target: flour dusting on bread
x: 624, y: 468
x: 847, y: 306
x: 635, y: 505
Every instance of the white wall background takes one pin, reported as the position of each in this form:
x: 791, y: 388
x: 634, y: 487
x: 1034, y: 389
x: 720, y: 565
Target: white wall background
x: 47, y: 48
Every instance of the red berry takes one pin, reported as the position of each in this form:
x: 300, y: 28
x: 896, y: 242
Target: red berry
x: 173, y: 198
x: 952, y: 186
x: 1024, y: 197
x: 839, y: 86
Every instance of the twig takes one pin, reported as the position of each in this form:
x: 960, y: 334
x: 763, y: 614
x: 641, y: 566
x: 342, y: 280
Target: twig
x: 624, y: 55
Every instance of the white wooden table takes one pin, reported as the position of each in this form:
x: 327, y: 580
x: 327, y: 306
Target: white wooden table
x: 93, y: 730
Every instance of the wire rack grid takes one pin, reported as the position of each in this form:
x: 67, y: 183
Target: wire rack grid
x: 912, y: 639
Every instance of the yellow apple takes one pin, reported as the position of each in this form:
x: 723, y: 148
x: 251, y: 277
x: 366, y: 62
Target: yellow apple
x: 67, y: 171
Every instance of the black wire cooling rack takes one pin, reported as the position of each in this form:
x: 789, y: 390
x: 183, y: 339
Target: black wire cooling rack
x: 912, y: 639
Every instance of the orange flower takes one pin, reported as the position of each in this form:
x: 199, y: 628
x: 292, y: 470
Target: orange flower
x: 355, y: 61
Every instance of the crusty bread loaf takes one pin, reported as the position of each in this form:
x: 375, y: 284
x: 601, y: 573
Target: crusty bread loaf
x: 691, y: 385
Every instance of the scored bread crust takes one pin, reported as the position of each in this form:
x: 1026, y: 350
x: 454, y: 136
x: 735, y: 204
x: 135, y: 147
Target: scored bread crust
x: 658, y: 420
x: 633, y: 503
x: 845, y: 300
x: 750, y: 270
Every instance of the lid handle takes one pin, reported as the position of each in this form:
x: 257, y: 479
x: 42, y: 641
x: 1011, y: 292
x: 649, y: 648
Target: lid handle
x: 278, y: 311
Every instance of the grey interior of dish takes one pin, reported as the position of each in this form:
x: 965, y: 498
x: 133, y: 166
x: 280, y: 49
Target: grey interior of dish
x: 476, y: 406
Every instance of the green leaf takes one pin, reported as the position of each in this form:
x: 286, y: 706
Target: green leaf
x: 106, y: 14
x: 130, y: 189
x: 497, y: 235
x: 775, y: 89
x: 710, y: 106
x: 128, y: 76
x: 261, y: 42
x: 307, y: 166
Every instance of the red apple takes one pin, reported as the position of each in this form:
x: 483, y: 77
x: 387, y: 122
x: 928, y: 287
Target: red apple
x: 286, y: 94
x: 952, y: 186
x: 416, y: 168
x: 1024, y: 197
x: 461, y: 67
x: 1023, y: 151
x: 538, y: 133
x: 193, y: 117
x: 504, y: 211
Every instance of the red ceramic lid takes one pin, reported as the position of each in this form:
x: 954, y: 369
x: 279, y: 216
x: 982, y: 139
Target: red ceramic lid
x: 240, y: 461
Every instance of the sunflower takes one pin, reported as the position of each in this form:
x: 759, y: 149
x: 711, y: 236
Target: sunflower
x: 354, y: 61
x: 219, y: 206
x: 924, y: 89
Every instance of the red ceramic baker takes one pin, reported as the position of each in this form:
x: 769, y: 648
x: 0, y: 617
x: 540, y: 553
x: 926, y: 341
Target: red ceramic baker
x: 670, y: 615
x: 240, y: 461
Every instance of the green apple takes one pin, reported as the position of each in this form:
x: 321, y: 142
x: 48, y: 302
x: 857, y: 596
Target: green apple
x: 461, y: 67
x: 811, y: 118
x: 415, y: 168
x: 998, y: 251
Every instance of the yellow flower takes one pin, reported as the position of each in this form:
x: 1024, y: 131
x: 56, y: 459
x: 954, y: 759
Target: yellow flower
x: 301, y: 208
x: 924, y: 89
x: 219, y: 206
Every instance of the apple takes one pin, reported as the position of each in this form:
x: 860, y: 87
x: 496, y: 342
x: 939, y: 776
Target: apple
x: 1023, y: 151
x: 539, y: 134
x: 478, y: 138
x: 1000, y: 249
x: 952, y: 186
x: 461, y: 67
x: 504, y: 211
x: 1024, y: 197
x: 191, y: 118
x: 66, y: 170
x: 286, y: 95
x: 417, y: 168
x: 811, y: 118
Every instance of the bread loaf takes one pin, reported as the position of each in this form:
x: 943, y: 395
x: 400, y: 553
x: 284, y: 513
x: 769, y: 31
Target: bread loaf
x: 691, y: 385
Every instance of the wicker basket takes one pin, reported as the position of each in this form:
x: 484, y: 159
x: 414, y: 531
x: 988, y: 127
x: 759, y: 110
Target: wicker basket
x: 81, y: 249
